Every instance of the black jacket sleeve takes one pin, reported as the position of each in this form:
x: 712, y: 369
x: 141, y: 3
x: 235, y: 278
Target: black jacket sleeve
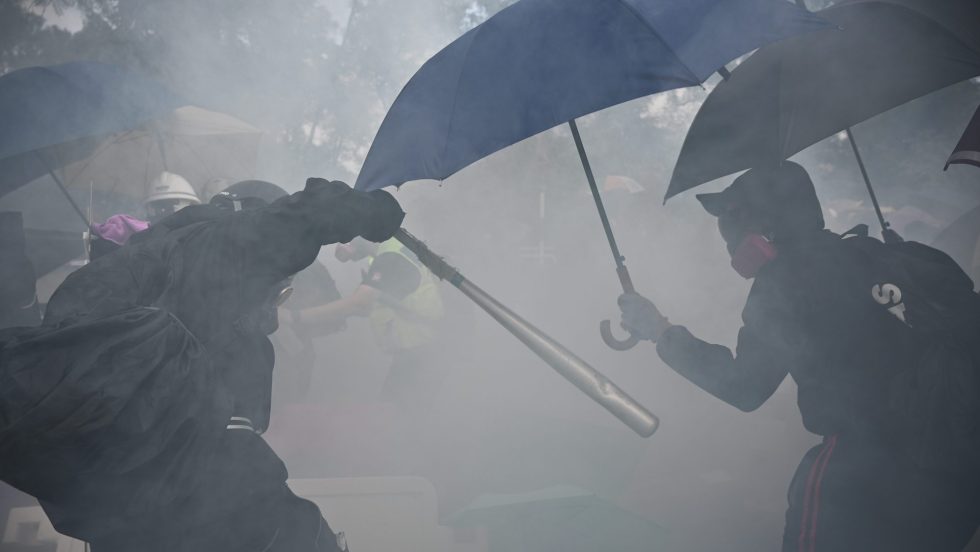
x: 762, y: 357
x: 227, y: 267
x: 744, y: 380
x: 211, y: 268
x: 284, y: 237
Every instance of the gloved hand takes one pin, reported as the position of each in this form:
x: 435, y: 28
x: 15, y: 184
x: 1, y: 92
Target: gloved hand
x: 342, y: 213
x: 641, y: 317
x: 385, y: 217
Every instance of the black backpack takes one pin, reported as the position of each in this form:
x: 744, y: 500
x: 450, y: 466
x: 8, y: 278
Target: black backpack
x: 934, y: 397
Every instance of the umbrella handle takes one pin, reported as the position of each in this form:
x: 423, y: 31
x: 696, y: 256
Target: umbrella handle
x: 605, y: 330
x: 605, y: 327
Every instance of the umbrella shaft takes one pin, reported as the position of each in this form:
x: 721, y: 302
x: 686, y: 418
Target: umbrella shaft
x: 867, y: 180
x: 64, y: 190
x: 617, y: 257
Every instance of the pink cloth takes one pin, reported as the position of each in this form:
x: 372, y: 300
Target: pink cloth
x: 119, y: 228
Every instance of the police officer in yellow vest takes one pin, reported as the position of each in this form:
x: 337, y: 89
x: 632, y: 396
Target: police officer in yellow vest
x: 402, y: 301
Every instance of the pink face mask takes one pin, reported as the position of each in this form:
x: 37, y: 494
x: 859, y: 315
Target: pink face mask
x: 752, y: 254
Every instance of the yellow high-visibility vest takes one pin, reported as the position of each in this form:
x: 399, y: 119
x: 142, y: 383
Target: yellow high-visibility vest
x: 408, y: 323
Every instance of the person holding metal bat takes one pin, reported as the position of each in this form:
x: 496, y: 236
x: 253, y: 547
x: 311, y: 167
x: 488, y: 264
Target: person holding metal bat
x: 134, y: 413
x: 881, y: 342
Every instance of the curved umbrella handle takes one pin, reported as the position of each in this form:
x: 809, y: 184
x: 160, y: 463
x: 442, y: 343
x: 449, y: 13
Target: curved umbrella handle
x: 605, y: 330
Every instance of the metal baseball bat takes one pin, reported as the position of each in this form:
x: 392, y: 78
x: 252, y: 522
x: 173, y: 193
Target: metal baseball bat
x: 589, y: 380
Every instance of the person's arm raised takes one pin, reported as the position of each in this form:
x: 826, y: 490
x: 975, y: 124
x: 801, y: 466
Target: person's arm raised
x: 744, y: 380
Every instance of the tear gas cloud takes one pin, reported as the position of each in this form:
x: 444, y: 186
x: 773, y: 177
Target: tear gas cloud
x: 317, y: 76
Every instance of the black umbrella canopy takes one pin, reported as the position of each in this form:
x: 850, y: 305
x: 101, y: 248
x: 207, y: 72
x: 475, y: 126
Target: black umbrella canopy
x: 967, y: 150
x: 792, y: 94
x: 959, y: 17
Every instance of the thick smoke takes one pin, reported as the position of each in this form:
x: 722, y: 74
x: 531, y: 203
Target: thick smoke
x: 318, y: 76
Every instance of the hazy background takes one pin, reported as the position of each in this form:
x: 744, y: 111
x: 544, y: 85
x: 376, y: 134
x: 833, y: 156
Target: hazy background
x: 317, y: 76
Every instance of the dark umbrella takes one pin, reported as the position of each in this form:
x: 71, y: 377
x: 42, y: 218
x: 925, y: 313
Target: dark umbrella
x: 967, y: 151
x: 790, y: 95
x: 53, y: 116
x: 959, y: 17
x: 541, y: 63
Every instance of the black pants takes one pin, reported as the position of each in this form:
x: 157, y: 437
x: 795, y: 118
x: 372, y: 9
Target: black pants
x: 852, y: 496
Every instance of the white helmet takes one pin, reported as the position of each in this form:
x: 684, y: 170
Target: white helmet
x: 167, y: 194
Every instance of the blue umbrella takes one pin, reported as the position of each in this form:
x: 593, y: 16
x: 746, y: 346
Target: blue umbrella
x: 51, y: 116
x: 541, y: 63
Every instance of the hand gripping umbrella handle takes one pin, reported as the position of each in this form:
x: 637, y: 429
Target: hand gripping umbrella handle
x: 605, y: 327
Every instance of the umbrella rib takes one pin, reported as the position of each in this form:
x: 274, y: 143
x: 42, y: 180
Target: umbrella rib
x: 103, y: 146
x: 694, y: 78
x: 459, y: 78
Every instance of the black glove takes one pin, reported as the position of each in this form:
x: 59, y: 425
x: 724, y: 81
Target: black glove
x: 641, y: 317
x: 385, y: 217
x: 342, y: 213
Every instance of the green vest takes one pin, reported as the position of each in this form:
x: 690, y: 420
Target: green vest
x: 408, y: 323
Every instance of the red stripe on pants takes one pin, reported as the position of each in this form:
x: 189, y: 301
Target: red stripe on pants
x: 816, y: 496
x: 811, y: 494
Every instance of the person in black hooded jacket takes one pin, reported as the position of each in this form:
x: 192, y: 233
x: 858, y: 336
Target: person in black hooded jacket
x: 804, y: 317
x: 134, y: 413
